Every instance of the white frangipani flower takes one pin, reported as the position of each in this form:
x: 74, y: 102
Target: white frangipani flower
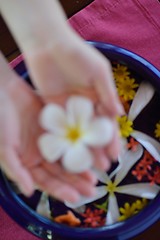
x: 142, y: 98
x: 111, y: 187
x: 43, y: 207
x: 71, y: 132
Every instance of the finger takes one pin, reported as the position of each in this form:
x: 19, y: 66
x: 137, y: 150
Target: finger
x: 102, y: 162
x: 91, y: 70
x: 9, y: 141
x: 77, y: 181
x: 104, y: 83
x: 90, y: 176
x: 57, y: 170
x: 62, y: 98
x: 53, y: 186
x: 113, y: 148
x: 11, y: 165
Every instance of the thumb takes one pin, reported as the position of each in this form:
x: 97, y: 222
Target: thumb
x: 9, y: 144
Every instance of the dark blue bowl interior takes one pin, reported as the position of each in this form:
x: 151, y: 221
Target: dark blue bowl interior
x: 46, y: 229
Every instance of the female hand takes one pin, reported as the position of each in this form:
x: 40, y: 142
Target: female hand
x: 19, y: 154
x: 60, y: 63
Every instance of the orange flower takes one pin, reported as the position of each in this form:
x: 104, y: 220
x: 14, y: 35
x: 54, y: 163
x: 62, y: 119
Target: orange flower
x: 155, y: 179
x: 148, y: 158
x: 132, y: 144
x: 140, y: 171
x: 69, y: 219
x: 144, y: 167
x: 94, y: 218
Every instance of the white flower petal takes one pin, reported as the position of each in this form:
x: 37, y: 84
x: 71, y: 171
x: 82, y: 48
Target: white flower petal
x: 113, y: 210
x: 142, y: 98
x: 53, y: 118
x: 43, y: 207
x: 80, y: 209
x: 77, y: 159
x: 99, y: 133
x: 102, y: 176
x: 129, y: 159
x: 79, y: 110
x: 149, y: 143
x: 123, y: 148
x: 143, y: 190
x: 100, y: 192
x: 123, y: 151
x: 52, y: 147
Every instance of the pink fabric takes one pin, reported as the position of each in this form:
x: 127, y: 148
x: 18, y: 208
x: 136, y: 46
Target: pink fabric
x: 16, y: 61
x: 133, y: 24
x: 9, y: 230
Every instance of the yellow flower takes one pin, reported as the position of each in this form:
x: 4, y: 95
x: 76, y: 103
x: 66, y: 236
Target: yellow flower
x: 126, y: 88
x: 127, y: 211
x: 125, y: 125
x: 130, y: 210
x: 120, y: 73
x: 157, y: 130
x: 140, y: 204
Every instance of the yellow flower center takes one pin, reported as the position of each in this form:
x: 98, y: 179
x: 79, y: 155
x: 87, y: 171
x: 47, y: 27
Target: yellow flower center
x: 125, y: 125
x: 111, y: 187
x: 73, y: 133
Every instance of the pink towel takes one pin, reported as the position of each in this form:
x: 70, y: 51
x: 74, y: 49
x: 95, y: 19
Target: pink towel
x: 9, y: 230
x: 132, y: 24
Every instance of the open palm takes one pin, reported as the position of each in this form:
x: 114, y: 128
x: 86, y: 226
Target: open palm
x: 20, y: 157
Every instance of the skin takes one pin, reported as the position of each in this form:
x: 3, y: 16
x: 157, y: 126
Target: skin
x: 60, y: 63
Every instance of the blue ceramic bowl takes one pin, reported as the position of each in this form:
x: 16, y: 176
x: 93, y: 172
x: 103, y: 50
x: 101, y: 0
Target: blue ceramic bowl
x: 43, y: 227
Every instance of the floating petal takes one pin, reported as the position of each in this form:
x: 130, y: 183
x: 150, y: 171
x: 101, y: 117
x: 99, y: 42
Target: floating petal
x: 149, y: 143
x: 100, y: 192
x: 43, y: 207
x: 127, y: 162
x: 113, y: 210
x: 102, y: 176
x: 123, y: 148
x: 143, y: 190
x: 123, y: 151
x: 142, y: 98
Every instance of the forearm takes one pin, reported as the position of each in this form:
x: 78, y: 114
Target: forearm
x: 34, y: 23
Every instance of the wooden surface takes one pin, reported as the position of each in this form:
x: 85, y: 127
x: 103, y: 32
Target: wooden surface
x: 10, y: 50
